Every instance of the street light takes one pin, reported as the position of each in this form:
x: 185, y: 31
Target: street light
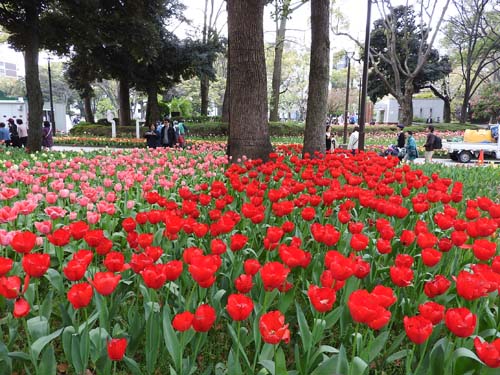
x: 348, y: 56
x: 52, y: 117
x: 364, y: 79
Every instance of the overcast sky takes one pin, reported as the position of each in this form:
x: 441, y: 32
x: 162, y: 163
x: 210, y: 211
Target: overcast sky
x: 298, y: 26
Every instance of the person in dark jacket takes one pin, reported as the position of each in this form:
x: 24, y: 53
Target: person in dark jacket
x: 429, y: 145
x: 401, y: 137
x: 152, y: 137
x: 14, y: 136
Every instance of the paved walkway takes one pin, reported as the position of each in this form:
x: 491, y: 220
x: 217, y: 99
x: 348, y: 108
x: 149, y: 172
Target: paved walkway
x: 448, y: 162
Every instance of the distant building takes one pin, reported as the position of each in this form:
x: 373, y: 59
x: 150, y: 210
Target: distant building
x: 18, y: 108
x: 9, y: 70
x: 386, y: 110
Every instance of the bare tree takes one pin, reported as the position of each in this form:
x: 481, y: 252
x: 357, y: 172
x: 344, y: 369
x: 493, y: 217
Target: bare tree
x: 404, y: 54
x: 248, y: 126
x: 475, y: 34
x: 211, y: 18
x: 314, y: 137
x: 405, y: 73
x: 282, y: 13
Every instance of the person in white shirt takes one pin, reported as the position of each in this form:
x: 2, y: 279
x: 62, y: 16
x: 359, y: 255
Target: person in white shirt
x: 22, y: 131
x: 353, y: 140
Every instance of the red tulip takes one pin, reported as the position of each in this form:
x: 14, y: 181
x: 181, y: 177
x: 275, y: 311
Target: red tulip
x: 60, y: 237
x: 217, y: 246
x: 116, y: 349
x: 94, y: 237
x: 23, y: 242
x: 83, y: 256
x: 273, y: 275
x: 21, y: 308
x: 104, y: 246
x: 418, y: 328
x: 383, y: 295
x: 114, y: 261
x: 322, y: 299
x: 172, y: 269
x: 484, y: 249
x: 154, y: 276
x: 488, y: 353
x: 401, y: 276
x: 243, y: 283
x: 140, y: 261
x: 204, y: 318
x: 359, y: 241
x: 183, y: 321
x: 251, y: 266
x: 10, y: 286
x: 80, y: 295
x: 105, y: 282
x: 78, y: 229
x: 436, y: 287
x: 5, y: 265
x: 273, y: 328
x: 238, y: 241
x: 431, y: 257
x: 36, y: 265
x: 471, y: 286
x: 128, y: 224
x: 432, y: 311
x: 460, y: 321
x: 239, y: 306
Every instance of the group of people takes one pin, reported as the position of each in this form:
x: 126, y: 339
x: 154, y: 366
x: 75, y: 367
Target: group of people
x: 168, y: 134
x: 406, y: 149
x: 15, y: 134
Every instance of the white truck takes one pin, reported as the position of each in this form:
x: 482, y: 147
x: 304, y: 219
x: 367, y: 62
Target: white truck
x: 464, y: 152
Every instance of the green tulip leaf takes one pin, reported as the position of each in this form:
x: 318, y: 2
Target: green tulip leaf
x: 38, y: 345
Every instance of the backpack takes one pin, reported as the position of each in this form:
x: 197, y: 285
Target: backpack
x: 437, y: 144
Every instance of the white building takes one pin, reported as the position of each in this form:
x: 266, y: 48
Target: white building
x: 18, y: 108
x: 386, y: 110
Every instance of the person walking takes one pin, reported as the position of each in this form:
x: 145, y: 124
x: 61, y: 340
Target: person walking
x: 401, y: 137
x: 353, y: 140
x: 14, y: 135
x: 4, y: 135
x: 411, y: 148
x: 22, y: 131
x: 328, y: 138
x: 47, y: 139
x: 164, y: 133
x: 429, y: 145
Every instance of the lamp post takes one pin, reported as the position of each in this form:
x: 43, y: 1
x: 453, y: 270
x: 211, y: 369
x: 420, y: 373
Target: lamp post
x: 52, y: 117
x: 364, y: 79
x: 348, y: 56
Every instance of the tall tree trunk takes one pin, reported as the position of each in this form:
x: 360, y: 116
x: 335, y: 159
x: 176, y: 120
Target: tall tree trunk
x: 33, y: 89
x: 406, y: 105
x: 464, y: 111
x: 314, y: 137
x: 87, y: 105
x: 278, y: 58
x: 124, y: 99
x: 225, y: 102
x: 447, y: 111
x: 152, y: 108
x: 249, y: 135
x: 204, y: 87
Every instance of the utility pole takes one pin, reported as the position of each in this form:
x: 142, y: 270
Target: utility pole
x: 364, y: 80
x: 52, y: 117
x: 348, y: 56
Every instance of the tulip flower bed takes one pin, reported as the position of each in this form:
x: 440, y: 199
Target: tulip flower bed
x: 174, y: 262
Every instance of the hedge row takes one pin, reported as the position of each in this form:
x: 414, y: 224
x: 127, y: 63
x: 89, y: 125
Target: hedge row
x: 276, y: 129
